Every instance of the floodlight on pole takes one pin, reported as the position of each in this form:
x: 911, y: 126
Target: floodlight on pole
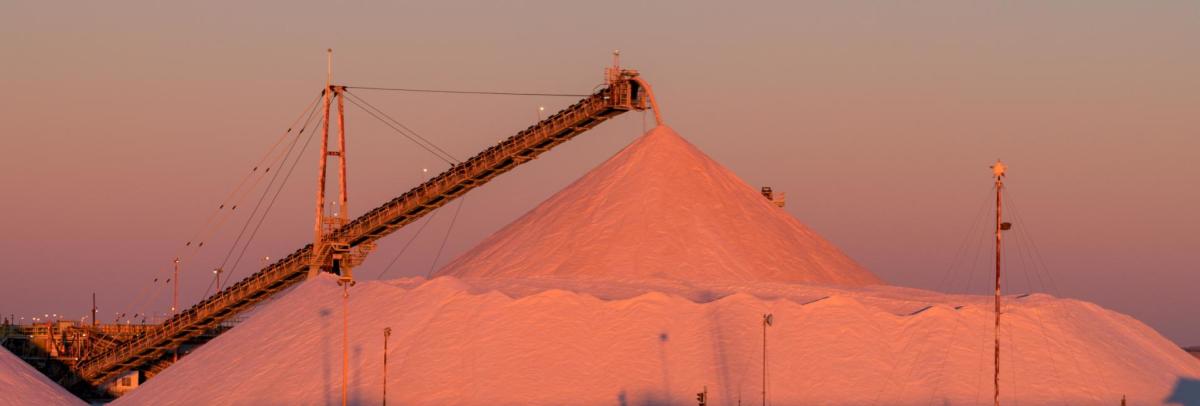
x: 217, y: 274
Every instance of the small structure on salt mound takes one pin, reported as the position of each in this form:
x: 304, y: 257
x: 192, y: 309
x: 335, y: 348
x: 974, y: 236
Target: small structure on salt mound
x: 20, y: 384
x: 660, y: 209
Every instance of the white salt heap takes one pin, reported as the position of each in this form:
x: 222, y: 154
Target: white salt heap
x: 660, y: 209
x: 20, y: 384
x: 646, y: 281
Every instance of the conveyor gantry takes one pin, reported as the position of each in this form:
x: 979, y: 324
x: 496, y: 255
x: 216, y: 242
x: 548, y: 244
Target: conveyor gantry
x: 624, y: 91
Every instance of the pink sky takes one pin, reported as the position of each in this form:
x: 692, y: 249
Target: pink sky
x: 127, y: 123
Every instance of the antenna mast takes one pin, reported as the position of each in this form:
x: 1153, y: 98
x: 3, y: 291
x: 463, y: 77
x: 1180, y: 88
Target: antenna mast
x: 998, y: 171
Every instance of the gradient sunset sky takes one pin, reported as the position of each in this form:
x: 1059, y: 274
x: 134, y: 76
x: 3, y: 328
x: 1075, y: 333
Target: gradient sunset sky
x: 127, y: 123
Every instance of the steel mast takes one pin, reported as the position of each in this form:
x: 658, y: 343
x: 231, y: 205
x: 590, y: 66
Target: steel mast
x: 323, y: 249
x: 998, y: 172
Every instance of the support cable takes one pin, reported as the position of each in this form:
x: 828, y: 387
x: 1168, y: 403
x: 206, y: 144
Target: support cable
x: 1031, y: 262
x: 492, y: 93
x: 1026, y: 266
x: 454, y: 219
x: 949, y: 275
x: 235, y: 192
x: 208, y: 290
x: 983, y: 352
x: 1036, y: 252
x: 221, y: 214
x: 1037, y: 314
x: 276, y: 161
x: 918, y: 359
x: 1012, y: 363
x: 942, y: 367
x: 410, y: 134
x: 270, y: 205
x: 1039, y: 265
x: 266, y: 191
x: 424, y: 223
x: 1026, y: 262
x: 973, y: 267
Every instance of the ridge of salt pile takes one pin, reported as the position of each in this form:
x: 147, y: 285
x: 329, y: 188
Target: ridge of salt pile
x: 660, y: 209
x: 474, y: 342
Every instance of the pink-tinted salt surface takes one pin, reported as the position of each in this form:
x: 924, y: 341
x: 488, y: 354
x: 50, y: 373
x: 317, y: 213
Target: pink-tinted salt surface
x: 660, y: 209
x: 20, y: 384
x: 646, y: 281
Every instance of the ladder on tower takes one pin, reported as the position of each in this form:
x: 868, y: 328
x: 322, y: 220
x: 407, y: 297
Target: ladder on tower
x: 624, y: 91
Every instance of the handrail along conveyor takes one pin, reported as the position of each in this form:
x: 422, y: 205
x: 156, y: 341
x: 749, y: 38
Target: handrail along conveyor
x: 625, y: 91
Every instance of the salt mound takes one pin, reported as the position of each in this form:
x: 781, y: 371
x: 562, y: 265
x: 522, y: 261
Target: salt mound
x: 475, y: 342
x: 20, y: 384
x: 642, y: 283
x: 660, y: 209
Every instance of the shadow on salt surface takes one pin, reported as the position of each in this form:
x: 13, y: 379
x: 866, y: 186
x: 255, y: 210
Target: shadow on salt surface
x: 652, y: 397
x: 326, y: 345
x: 1186, y: 393
x: 663, y: 338
x: 648, y: 399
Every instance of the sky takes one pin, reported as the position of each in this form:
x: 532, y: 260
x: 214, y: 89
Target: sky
x: 128, y: 123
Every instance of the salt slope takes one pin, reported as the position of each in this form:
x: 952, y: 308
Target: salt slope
x: 479, y: 342
x: 660, y: 209
x: 20, y: 384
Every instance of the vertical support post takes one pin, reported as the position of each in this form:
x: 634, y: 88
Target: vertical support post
x: 768, y: 319
x: 318, y: 234
x: 345, y: 340
x: 175, y: 304
x: 998, y: 171
x: 175, y: 291
x: 341, y: 116
x: 387, y: 332
x: 345, y: 272
x: 93, y: 310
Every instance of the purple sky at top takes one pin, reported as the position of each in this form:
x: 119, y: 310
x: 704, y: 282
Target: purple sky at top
x: 127, y: 123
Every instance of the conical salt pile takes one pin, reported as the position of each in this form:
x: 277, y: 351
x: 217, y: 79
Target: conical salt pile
x: 593, y: 298
x: 20, y: 384
x: 660, y: 209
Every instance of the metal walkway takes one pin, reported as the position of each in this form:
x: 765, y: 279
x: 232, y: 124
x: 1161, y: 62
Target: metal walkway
x: 625, y: 91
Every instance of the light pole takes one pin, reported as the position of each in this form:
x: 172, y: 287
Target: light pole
x: 768, y: 319
x: 175, y: 292
x: 387, y: 332
x: 998, y: 170
x: 217, y: 274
